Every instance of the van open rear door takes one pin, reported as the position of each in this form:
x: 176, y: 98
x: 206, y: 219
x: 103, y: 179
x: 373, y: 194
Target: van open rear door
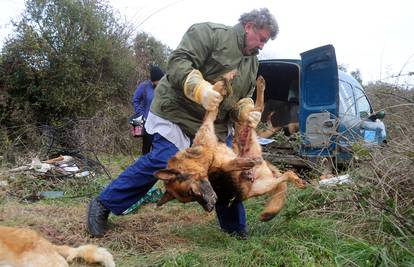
x: 318, y: 101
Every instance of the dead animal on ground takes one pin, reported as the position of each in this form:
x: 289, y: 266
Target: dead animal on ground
x: 279, y: 115
x: 209, y: 169
x: 22, y: 247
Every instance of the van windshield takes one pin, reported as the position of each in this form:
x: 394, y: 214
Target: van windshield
x: 363, y: 105
x: 347, y: 108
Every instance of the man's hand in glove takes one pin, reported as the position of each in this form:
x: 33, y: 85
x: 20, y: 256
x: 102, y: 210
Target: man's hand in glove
x: 254, y: 118
x: 208, y: 98
x: 245, y: 112
x: 201, y: 91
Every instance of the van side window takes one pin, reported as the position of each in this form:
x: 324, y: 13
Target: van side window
x: 362, y: 101
x: 346, y: 101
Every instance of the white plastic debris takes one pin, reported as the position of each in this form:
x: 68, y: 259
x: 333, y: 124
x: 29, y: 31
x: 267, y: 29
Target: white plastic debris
x: 51, y: 194
x: 82, y: 174
x: 21, y: 168
x: 71, y: 168
x: 39, y: 166
x: 342, y: 179
x: 3, y: 183
x: 264, y: 141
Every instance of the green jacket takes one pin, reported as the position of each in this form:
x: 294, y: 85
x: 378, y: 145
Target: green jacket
x: 213, y: 49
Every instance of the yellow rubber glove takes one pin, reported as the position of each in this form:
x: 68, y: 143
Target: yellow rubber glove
x: 254, y: 118
x: 201, y: 91
x: 245, y: 112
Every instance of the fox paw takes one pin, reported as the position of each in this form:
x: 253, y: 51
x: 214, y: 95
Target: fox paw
x: 300, y: 183
x: 267, y: 216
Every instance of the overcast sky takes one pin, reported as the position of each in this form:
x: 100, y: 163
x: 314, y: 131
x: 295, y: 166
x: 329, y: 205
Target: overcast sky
x: 376, y: 37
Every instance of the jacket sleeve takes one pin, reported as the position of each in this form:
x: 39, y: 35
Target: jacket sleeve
x: 195, y: 47
x: 138, y: 100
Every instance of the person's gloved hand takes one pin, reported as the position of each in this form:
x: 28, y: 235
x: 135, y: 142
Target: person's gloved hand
x: 244, y: 112
x: 201, y: 91
x: 254, y: 118
x: 209, y: 98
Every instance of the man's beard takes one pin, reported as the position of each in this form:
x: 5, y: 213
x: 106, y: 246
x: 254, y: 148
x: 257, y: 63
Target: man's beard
x: 254, y: 51
x: 250, y: 52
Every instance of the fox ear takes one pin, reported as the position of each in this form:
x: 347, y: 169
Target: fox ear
x: 165, y: 198
x: 168, y: 175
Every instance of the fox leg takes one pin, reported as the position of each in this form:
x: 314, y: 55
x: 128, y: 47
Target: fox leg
x: 90, y: 253
x: 277, y: 186
x: 206, y: 135
x: 265, y: 184
x: 240, y: 164
x: 276, y: 202
x: 260, y: 88
x: 295, y: 180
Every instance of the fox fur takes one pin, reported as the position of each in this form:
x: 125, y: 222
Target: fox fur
x: 209, y: 170
x: 22, y: 247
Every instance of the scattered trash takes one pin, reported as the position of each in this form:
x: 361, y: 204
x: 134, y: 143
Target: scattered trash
x: 39, y: 166
x: 265, y: 141
x: 82, y: 174
x: 153, y: 195
x: 43, y: 177
x: 51, y: 194
x: 61, y: 160
x: 21, y: 168
x: 3, y: 183
x: 61, y: 166
x: 343, y: 179
x: 69, y: 168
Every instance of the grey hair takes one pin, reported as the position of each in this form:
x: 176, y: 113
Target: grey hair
x: 262, y: 18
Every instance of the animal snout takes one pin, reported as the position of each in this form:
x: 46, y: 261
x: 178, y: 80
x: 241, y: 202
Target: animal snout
x: 209, y: 196
x: 210, y: 203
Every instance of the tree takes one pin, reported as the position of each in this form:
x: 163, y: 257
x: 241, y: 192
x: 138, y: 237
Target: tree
x: 67, y: 58
x: 357, y: 75
x: 148, y: 51
x: 343, y: 67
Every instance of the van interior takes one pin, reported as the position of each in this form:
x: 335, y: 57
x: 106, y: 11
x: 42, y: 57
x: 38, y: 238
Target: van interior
x: 281, y: 95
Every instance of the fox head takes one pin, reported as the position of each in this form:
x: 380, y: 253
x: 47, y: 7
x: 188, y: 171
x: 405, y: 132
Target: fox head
x: 186, y: 180
x: 187, y: 187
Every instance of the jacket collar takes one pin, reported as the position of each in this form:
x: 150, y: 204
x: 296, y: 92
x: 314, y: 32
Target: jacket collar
x: 241, y: 37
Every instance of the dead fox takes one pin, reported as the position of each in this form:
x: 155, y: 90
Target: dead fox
x: 209, y: 169
x: 21, y: 247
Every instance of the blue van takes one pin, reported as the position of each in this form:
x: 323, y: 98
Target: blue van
x: 329, y: 105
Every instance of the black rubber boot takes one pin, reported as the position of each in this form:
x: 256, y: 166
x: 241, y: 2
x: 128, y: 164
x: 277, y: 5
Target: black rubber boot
x: 240, y: 234
x: 97, y: 218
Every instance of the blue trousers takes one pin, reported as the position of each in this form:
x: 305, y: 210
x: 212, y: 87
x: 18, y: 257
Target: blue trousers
x: 136, y: 180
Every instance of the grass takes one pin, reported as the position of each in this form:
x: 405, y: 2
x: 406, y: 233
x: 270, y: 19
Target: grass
x: 317, y: 227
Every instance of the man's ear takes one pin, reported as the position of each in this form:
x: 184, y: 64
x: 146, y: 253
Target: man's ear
x: 165, y: 198
x: 167, y: 175
x: 249, y: 26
